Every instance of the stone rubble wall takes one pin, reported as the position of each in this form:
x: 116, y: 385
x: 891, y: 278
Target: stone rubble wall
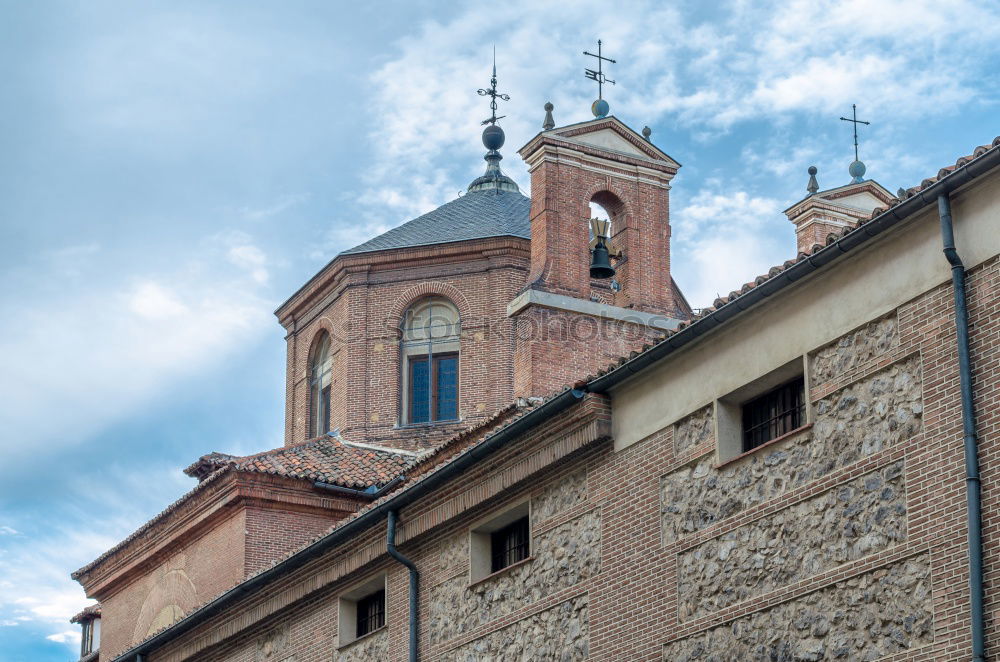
x: 453, y: 555
x: 557, y: 497
x: 693, y: 430
x: 560, y: 496
x: 273, y: 646
x: 872, y: 414
x: 858, y: 420
x: 562, y: 557
x: 372, y: 647
x: 854, y: 349
x: 845, y: 523
x: 863, y: 618
x: 560, y: 633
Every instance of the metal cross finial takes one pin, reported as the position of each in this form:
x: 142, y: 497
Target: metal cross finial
x: 856, y: 122
x: 599, y: 74
x: 491, y: 92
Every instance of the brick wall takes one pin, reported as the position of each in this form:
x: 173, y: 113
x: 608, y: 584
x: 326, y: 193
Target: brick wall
x: 362, y: 312
x: 845, y: 541
x: 198, y: 570
x: 271, y: 532
x: 232, y: 528
x: 556, y: 348
x: 561, y: 192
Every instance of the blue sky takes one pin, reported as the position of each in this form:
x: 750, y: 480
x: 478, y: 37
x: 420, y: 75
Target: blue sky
x: 171, y: 171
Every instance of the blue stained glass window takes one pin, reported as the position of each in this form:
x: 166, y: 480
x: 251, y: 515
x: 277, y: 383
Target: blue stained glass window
x: 447, y: 388
x: 420, y: 391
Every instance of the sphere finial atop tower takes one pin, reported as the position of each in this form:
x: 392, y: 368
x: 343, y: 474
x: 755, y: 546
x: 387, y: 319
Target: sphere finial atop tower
x: 600, y: 108
x: 857, y: 170
x: 813, y: 185
x: 493, y: 137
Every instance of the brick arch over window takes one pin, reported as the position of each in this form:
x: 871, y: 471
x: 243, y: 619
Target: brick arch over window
x: 321, y: 325
x: 411, y: 296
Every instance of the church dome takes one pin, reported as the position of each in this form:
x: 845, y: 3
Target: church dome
x: 479, y: 214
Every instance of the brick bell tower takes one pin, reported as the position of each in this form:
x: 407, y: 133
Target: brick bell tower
x: 569, y: 323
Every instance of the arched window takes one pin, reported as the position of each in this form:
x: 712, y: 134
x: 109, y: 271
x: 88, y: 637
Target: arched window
x: 319, y: 387
x: 429, y: 362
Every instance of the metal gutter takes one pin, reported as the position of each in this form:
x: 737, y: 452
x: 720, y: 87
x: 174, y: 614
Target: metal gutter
x: 973, y: 486
x: 360, y: 524
x: 360, y: 494
x: 566, y: 399
x: 414, y: 616
x: 799, y: 270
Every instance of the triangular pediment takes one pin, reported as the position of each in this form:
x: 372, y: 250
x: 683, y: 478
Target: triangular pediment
x: 862, y: 196
x: 611, y: 134
x: 610, y: 139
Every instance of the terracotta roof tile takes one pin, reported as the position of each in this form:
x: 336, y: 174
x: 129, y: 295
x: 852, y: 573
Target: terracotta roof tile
x: 90, y: 612
x: 327, y: 459
x: 331, y: 460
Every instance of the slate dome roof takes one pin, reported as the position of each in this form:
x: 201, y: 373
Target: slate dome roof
x: 476, y: 215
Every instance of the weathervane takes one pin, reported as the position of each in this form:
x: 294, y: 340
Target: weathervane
x: 600, y: 107
x: 857, y: 169
x: 493, y: 138
x: 493, y: 94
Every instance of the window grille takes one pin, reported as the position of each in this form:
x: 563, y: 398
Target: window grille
x: 509, y: 544
x: 371, y: 613
x: 773, y: 414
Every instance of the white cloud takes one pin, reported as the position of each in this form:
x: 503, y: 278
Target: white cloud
x: 767, y: 63
x: 751, y: 62
x: 35, y: 586
x: 102, y: 349
x: 730, y: 238
x: 154, y: 301
x: 65, y: 637
x: 8, y: 531
x: 250, y: 258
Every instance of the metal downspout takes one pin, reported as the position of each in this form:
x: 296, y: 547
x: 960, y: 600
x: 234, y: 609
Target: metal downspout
x: 973, y: 486
x: 390, y: 546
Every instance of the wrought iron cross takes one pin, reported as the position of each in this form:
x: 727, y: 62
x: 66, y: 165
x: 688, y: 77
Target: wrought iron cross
x: 856, y: 122
x: 599, y: 74
x: 493, y: 94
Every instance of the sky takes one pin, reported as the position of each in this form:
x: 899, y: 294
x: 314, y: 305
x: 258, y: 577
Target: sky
x: 170, y: 172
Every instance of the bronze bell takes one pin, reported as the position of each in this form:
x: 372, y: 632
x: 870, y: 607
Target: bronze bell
x: 600, y: 261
